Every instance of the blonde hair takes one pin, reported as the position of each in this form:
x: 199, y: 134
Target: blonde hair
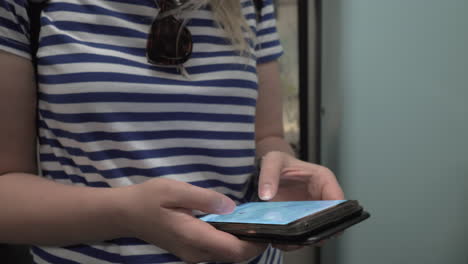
x: 228, y: 15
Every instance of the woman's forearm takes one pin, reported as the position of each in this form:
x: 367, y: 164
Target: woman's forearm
x: 269, y: 129
x: 38, y: 211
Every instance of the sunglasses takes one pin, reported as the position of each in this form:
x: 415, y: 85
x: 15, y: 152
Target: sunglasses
x: 169, y: 41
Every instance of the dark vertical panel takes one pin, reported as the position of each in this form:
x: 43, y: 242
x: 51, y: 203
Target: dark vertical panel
x: 318, y: 77
x: 307, y: 108
x: 310, y: 82
x: 303, y: 78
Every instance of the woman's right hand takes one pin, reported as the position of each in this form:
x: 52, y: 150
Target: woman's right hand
x: 160, y: 212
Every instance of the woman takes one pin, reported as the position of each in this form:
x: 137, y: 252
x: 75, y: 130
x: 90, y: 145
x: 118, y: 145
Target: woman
x: 147, y: 112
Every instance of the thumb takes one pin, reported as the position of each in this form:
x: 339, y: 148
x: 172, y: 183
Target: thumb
x: 188, y: 196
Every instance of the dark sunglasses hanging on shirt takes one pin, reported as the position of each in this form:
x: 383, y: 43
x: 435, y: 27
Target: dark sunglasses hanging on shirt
x: 176, y: 48
x: 169, y: 40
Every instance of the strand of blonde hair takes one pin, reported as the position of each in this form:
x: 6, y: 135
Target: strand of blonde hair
x: 228, y: 15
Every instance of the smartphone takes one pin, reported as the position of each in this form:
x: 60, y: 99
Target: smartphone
x: 295, y: 222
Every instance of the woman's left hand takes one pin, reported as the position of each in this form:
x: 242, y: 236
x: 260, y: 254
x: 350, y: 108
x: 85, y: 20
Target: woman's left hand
x: 285, y: 178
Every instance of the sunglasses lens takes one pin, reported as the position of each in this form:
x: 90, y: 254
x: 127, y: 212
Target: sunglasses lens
x: 168, y: 43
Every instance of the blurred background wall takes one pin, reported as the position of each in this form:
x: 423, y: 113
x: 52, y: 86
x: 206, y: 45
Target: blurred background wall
x: 395, y: 127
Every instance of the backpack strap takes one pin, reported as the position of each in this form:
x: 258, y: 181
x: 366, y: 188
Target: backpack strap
x: 34, y: 12
x: 258, y: 7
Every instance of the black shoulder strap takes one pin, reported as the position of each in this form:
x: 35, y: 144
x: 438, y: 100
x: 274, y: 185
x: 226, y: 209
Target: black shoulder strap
x: 34, y: 13
x: 258, y: 7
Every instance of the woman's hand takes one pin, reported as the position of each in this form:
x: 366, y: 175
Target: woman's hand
x: 285, y: 178
x: 160, y: 212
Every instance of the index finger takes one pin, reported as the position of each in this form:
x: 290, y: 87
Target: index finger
x: 270, y: 175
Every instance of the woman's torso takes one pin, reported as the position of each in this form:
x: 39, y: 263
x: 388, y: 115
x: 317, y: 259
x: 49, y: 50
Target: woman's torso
x: 107, y: 118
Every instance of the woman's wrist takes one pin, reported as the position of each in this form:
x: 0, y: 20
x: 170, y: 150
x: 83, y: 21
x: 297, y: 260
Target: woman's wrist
x: 120, y: 210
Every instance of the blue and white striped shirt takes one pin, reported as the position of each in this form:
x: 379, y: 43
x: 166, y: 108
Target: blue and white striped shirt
x: 107, y: 118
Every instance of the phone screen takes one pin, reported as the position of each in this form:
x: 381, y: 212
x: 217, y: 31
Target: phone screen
x: 273, y: 213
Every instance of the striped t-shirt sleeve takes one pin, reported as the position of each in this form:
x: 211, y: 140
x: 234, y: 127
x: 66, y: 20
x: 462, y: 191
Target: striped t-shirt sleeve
x: 268, y: 44
x: 14, y: 27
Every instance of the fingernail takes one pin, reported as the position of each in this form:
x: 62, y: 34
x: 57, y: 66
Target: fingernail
x: 267, y: 192
x: 224, y: 206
